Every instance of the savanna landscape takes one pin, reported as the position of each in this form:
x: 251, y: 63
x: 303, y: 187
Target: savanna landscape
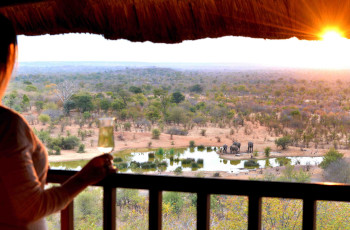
x: 286, y: 113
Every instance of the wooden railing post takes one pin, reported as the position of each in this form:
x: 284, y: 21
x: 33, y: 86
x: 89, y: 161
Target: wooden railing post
x: 67, y: 217
x: 254, y: 213
x: 309, y: 214
x: 203, y: 211
x: 155, y: 210
x: 109, y: 208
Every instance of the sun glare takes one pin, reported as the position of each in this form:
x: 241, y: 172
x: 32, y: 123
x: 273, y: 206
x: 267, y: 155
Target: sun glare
x: 332, y: 35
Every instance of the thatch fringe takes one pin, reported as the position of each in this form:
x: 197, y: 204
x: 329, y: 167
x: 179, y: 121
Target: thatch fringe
x: 172, y: 21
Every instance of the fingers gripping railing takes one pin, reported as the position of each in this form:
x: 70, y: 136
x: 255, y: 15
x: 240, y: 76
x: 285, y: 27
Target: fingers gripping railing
x: 203, y: 187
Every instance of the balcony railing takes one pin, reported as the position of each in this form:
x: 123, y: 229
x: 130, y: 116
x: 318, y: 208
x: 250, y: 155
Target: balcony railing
x: 254, y: 190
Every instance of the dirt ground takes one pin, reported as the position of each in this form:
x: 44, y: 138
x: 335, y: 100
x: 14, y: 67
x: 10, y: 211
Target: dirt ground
x: 214, y: 136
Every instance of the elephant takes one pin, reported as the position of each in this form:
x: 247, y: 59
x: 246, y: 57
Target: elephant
x: 250, y: 147
x: 238, y: 145
x: 233, y: 149
x: 224, y: 148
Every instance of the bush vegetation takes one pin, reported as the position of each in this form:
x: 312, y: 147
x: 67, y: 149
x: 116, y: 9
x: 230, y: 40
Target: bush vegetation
x: 331, y: 156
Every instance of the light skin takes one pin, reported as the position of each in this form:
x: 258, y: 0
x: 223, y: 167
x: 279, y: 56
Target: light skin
x: 97, y: 169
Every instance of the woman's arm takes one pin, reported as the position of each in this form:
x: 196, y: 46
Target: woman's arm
x: 30, y: 202
x: 25, y: 196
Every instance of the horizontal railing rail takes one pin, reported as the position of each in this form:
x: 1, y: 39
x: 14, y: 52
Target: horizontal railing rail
x: 204, y: 187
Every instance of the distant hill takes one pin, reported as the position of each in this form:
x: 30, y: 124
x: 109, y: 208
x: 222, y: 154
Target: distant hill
x: 93, y: 67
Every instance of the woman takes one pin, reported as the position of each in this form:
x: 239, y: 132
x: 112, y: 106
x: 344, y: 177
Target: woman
x: 23, y: 160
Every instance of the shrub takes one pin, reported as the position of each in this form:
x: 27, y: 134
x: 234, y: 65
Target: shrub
x: 44, y: 136
x: 135, y: 165
x: 70, y: 142
x: 151, y: 156
x: 251, y: 164
x: 57, y: 150
x: 217, y: 174
x: 201, y: 147
x: 44, y: 118
x: 175, y: 131
x: 283, y: 161
x: 283, y: 142
x: 331, y: 156
x: 267, y: 151
x: 160, y: 151
x: 122, y: 165
x: 117, y: 159
x: 31, y: 88
x: 200, y: 161
x: 54, y: 114
x: 338, y: 171
x: 178, y: 170
x: 148, y: 165
x: 194, y: 165
x: 171, y: 151
x: 127, y: 126
x: 203, y: 131
x: 81, y: 148
x: 50, y: 152
x: 187, y: 161
x: 175, y: 200
x: 66, y: 143
x: 155, y: 134
x: 192, y: 144
x: 162, y: 164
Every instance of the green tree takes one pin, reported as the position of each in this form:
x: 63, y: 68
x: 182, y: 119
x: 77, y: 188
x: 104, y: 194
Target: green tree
x: 135, y: 89
x: 178, y: 115
x: 177, y: 97
x: 153, y: 114
x: 283, y: 142
x: 105, y: 104
x: 118, y: 105
x: 68, y: 106
x: 164, y: 99
x: 196, y: 88
x: 83, y: 102
x: 124, y: 96
x: 25, y: 102
x: 39, y: 105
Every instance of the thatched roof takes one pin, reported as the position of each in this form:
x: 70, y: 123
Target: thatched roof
x: 172, y: 21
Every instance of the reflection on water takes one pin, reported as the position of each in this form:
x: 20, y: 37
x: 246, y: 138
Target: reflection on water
x: 193, y: 159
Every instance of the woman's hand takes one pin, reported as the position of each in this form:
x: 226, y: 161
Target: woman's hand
x: 97, y: 169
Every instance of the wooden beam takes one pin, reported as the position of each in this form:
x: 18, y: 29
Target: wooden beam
x: 6, y: 3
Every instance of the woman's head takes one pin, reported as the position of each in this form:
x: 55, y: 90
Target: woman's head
x: 8, y: 47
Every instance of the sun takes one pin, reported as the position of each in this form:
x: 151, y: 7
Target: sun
x: 332, y: 35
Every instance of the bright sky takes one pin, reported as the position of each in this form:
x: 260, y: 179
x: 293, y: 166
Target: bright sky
x: 328, y: 54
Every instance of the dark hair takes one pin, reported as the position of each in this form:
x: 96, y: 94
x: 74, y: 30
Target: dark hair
x: 7, y: 37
